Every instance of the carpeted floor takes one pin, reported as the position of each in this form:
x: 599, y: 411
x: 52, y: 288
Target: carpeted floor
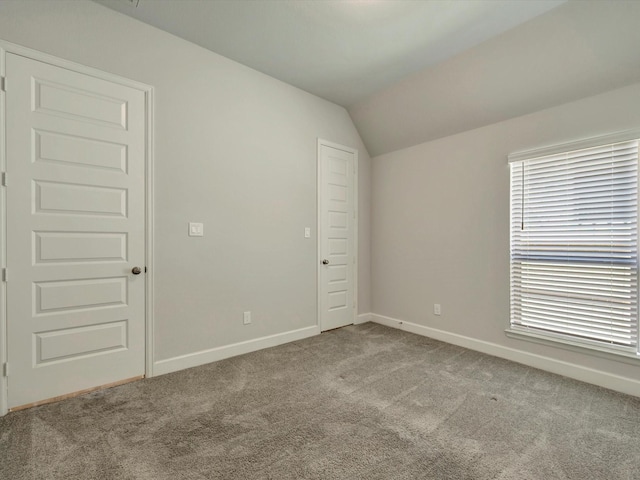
x: 362, y: 402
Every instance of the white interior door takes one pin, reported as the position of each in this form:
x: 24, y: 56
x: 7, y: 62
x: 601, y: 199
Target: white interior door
x: 337, y: 211
x: 75, y: 229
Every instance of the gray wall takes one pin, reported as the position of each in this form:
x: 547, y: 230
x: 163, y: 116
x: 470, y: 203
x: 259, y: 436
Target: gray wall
x: 234, y: 149
x: 441, y: 222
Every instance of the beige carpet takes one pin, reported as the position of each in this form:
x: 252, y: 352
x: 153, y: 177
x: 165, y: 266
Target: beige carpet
x: 363, y: 402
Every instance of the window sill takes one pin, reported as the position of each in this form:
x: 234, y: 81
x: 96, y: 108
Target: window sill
x: 574, y: 346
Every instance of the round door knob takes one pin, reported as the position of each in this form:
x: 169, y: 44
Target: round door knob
x: 325, y: 262
x: 136, y: 270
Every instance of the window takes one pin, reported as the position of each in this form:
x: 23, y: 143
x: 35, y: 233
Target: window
x: 574, y: 244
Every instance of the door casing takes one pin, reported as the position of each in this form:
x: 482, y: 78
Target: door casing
x: 322, y: 142
x: 7, y: 47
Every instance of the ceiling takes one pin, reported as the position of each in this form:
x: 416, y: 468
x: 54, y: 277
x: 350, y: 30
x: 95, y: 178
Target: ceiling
x: 577, y: 50
x: 412, y: 71
x: 340, y: 50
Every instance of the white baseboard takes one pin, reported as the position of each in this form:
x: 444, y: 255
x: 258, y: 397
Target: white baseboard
x: 362, y: 318
x: 219, y: 353
x: 596, y: 377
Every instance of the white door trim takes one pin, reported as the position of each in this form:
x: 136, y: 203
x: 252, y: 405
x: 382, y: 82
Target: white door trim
x: 7, y: 47
x: 327, y: 143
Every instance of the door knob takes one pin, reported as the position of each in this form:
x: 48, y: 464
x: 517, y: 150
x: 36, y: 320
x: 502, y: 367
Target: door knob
x: 136, y: 270
x: 325, y: 262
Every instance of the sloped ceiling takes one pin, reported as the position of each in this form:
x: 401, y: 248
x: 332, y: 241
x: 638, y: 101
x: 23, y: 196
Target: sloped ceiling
x: 413, y: 71
x: 582, y: 48
x: 340, y: 50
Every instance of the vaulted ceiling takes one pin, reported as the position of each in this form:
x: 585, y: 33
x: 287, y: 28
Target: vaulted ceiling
x: 410, y: 71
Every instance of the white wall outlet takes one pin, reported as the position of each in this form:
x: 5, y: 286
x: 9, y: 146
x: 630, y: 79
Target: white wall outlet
x: 307, y: 232
x: 196, y: 229
x: 246, y: 318
x: 437, y: 310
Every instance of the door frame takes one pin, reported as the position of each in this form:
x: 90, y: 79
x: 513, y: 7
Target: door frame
x: 327, y: 143
x: 7, y: 47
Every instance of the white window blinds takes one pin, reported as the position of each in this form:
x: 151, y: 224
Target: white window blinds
x: 574, y: 261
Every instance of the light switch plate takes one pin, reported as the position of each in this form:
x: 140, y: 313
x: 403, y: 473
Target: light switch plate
x: 196, y: 229
x: 307, y: 232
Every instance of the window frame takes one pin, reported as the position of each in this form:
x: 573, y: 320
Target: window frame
x: 565, y: 342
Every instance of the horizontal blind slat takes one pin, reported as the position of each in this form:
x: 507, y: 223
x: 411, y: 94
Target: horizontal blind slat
x: 574, y: 235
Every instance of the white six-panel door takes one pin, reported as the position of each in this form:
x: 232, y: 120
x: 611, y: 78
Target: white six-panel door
x: 75, y: 149
x: 337, y: 211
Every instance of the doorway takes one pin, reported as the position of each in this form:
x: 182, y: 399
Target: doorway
x: 76, y: 210
x: 337, y: 234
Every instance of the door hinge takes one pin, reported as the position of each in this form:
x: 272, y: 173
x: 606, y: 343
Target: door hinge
x: 3, y: 84
x: 4, y: 179
x: 5, y: 274
x: 5, y: 369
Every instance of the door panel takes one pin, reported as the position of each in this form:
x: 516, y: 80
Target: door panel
x: 55, y: 147
x: 75, y: 229
x: 72, y: 101
x: 78, y: 341
x: 80, y: 247
x: 337, y: 237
